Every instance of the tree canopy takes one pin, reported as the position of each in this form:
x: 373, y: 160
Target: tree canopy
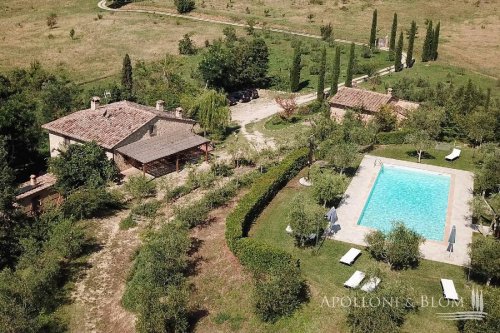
x: 84, y: 165
x: 236, y: 65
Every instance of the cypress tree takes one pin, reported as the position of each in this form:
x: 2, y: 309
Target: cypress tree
x: 295, y: 70
x: 411, y: 42
x: 398, y: 65
x: 335, y: 72
x: 394, y: 31
x: 127, y: 83
x: 487, y: 102
x: 320, y: 96
x: 350, y: 65
x: 435, y: 41
x: 373, y: 33
x: 427, y: 48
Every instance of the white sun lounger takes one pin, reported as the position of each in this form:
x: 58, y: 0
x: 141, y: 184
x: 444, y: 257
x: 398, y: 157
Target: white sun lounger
x: 355, y: 280
x: 350, y: 256
x: 371, y: 285
x: 453, y: 155
x: 449, y: 290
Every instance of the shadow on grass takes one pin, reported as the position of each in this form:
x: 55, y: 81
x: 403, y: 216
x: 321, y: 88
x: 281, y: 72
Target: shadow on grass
x: 194, y: 316
x: 425, y: 155
x: 303, y: 84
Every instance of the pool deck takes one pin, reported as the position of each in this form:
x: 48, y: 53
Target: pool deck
x: 458, y: 213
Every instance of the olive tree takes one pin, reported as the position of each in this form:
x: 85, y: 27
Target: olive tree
x: 305, y: 219
x: 399, y: 248
x: 328, y: 186
x: 485, y: 257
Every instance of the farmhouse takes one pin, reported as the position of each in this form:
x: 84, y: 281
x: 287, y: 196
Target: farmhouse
x: 133, y: 135
x: 367, y: 102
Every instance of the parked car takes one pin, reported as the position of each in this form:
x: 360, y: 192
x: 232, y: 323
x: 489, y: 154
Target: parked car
x: 255, y: 94
x: 231, y: 100
x: 246, y: 96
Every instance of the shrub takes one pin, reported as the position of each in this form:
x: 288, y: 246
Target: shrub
x: 326, y: 32
x: 127, y: 223
x: 369, y: 319
x: 184, y: 6
x: 221, y: 169
x: 84, y: 165
x: 156, y: 290
x: 147, y: 209
x: 400, y: 247
x: 375, y: 241
x: 392, y: 138
x: 140, y: 187
x: 193, y: 214
x: 485, y: 258
x: 87, y: 203
x: 279, y: 295
x: 52, y: 20
x: 186, y: 45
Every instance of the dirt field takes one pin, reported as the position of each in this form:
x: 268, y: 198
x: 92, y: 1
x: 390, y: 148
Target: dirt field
x: 469, y: 28
x: 99, y: 45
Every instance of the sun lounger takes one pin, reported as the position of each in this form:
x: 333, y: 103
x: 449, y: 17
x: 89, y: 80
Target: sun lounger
x: 371, y: 285
x: 355, y: 280
x: 449, y: 290
x: 453, y: 155
x: 350, y: 256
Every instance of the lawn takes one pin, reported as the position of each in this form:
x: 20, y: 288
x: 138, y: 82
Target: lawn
x: 435, y: 72
x: 469, y: 29
x: 103, y: 38
x: 325, y: 275
x: 434, y: 156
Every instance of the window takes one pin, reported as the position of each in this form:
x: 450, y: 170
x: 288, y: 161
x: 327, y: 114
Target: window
x: 67, y: 142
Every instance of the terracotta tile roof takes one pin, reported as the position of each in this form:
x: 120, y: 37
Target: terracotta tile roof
x: 161, y: 146
x: 108, y: 124
x: 42, y: 182
x: 360, y: 98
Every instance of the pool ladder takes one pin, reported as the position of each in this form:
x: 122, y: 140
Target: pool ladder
x: 379, y: 161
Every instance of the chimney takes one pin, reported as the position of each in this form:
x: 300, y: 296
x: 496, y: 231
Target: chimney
x: 33, y: 180
x: 159, y: 105
x: 178, y: 112
x: 389, y: 91
x: 94, y: 102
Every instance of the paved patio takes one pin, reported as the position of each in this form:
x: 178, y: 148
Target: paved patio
x: 458, y: 213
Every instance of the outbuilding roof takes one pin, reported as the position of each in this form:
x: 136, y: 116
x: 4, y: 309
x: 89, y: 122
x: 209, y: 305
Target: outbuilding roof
x: 158, y: 147
x: 360, y: 98
x: 109, y: 124
x: 42, y: 182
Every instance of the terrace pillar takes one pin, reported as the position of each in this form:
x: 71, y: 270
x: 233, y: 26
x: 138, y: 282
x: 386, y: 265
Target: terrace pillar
x: 206, y: 152
x: 177, y: 162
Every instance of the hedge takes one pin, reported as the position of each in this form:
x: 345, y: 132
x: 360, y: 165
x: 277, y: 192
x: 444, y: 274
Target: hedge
x: 264, y: 189
x: 277, y: 273
x: 391, y: 138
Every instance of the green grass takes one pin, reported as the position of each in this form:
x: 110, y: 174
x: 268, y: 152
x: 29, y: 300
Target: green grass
x: 434, y: 73
x: 469, y: 29
x: 325, y: 275
x: 281, y: 53
x: 466, y: 161
x: 127, y: 223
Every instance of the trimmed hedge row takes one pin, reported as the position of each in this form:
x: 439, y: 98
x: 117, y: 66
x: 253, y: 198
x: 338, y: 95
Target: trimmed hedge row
x: 263, y: 190
x: 279, y: 286
x: 392, y: 138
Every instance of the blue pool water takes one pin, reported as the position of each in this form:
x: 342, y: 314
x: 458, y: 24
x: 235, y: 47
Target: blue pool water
x: 417, y: 198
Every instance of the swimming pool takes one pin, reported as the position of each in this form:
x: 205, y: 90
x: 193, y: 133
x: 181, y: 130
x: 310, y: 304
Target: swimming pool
x: 415, y: 197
